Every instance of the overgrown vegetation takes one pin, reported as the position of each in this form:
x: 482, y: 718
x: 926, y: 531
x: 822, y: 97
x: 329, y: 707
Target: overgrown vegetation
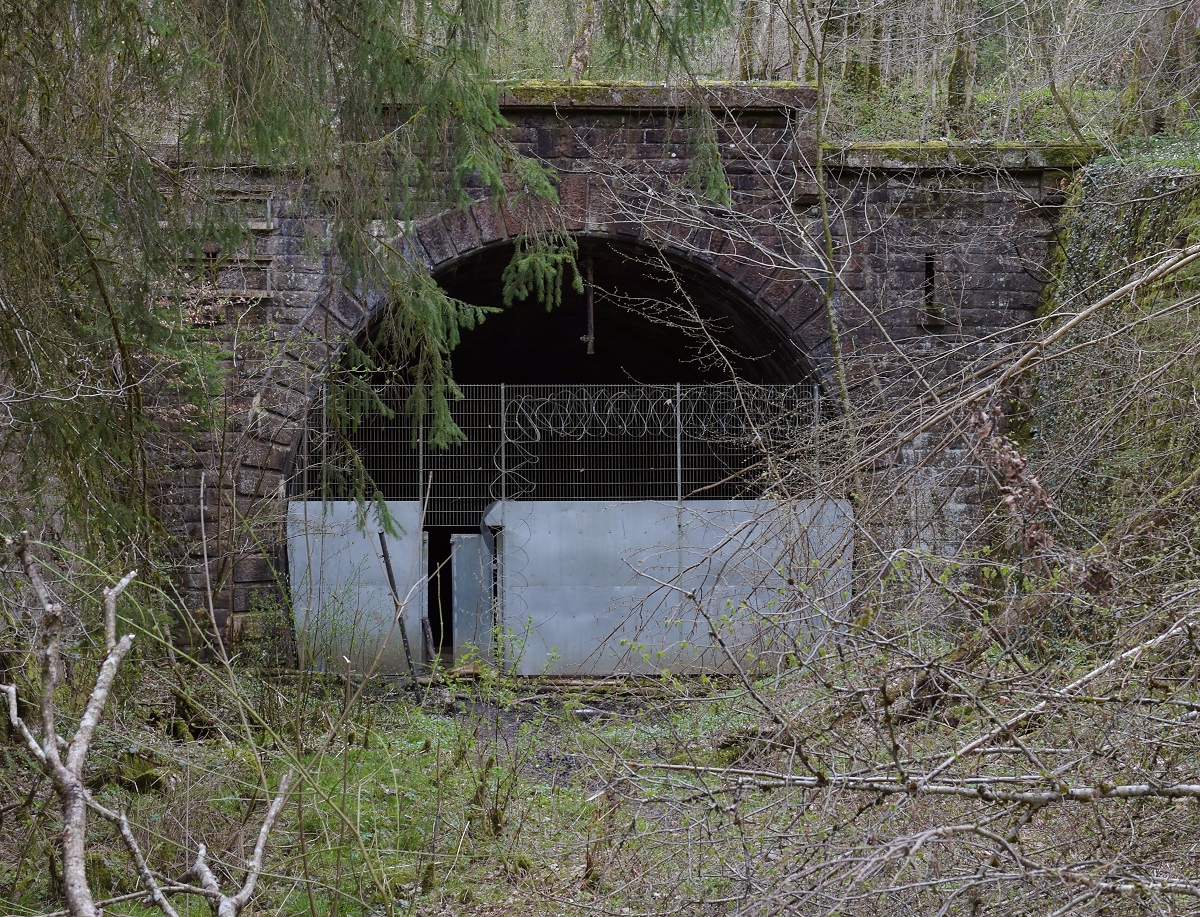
x: 1118, y: 394
x: 124, y: 133
x: 913, y: 70
x: 999, y: 723
x: 119, y: 116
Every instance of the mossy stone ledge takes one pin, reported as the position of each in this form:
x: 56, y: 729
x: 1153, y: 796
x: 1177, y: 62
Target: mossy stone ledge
x: 613, y: 96
x: 955, y: 154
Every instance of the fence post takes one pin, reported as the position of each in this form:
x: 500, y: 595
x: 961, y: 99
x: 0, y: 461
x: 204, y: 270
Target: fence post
x: 678, y: 442
x: 503, y: 449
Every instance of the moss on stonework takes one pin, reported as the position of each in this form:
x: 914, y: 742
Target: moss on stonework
x: 548, y: 92
x: 630, y: 94
x: 1118, y: 393
x: 949, y: 153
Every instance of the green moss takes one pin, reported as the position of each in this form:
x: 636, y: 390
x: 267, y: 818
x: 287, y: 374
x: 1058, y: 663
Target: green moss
x: 1126, y: 376
x: 618, y: 93
x: 549, y: 92
x: 961, y: 154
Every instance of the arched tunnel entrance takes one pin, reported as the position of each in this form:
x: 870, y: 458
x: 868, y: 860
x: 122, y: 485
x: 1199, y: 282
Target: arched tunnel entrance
x: 611, y: 463
x: 655, y: 320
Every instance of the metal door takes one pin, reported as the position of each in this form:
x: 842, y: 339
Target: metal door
x: 593, y: 588
x: 474, y: 598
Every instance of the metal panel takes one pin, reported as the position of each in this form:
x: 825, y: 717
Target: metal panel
x: 474, y: 606
x: 341, y: 602
x: 594, y: 588
x: 584, y: 587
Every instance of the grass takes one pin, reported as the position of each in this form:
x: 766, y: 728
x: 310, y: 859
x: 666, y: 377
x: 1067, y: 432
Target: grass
x: 499, y: 807
x: 527, y: 801
x: 515, y: 799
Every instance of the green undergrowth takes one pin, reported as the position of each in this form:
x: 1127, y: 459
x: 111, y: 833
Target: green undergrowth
x: 1111, y: 423
x: 504, y: 796
x: 511, y: 801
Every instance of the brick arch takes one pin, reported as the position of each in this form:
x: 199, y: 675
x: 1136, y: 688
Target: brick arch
x: 785, y: 300
x: 598, y: 143
x: 270, y: 426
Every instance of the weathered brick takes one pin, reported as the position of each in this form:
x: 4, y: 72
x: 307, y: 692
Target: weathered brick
x: 435, y: 240
x: 489, y: 223
x: 461, y: 230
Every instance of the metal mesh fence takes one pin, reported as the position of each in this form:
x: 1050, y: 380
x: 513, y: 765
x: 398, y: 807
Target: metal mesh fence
x: 560, y: 442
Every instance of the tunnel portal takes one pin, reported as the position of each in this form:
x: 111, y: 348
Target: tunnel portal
x: 621, y: 431
x: 943, y: 250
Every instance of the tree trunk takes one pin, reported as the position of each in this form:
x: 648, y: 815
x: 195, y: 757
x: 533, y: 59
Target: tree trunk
x: 749, y: 65
x: 960, y: 80
x: 74, y: 854
x: 581, y: 49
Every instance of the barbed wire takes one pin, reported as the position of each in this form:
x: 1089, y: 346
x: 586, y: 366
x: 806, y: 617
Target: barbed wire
x: 714, y: 413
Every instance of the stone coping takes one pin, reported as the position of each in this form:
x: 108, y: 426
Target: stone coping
x: 586, y: 96
x: 960, y: 154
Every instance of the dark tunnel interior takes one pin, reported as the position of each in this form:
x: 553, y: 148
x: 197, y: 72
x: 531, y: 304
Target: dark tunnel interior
x: 643, y: 329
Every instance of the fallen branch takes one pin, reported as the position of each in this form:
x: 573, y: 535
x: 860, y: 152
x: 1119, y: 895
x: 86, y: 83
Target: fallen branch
x: 983, y: 790
x: 1179, y: 627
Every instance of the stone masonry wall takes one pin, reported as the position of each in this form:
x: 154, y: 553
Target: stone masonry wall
x: 982, y: 217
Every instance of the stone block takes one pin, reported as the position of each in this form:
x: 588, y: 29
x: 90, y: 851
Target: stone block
x: 435, y: 240
x: 267, y: 456
x: 284, y: 402
x: 461, y: 230
x: 276, y: 245
x: 258, y: 482
x: 648, y: 152
x: 253, y: 570
x: 781, y: 287
x: 753, y: 276
x: 573, y: 200
x: 302, y: 281
x: 489, y: 223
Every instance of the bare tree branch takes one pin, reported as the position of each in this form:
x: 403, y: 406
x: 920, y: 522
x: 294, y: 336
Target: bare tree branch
x: 32, y: 572
x: 68, y: 775
x: 110, y: 610
x: 156, y: 892
x: 232, y: 905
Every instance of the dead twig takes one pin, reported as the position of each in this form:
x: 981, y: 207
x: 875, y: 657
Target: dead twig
x: 64, y: 762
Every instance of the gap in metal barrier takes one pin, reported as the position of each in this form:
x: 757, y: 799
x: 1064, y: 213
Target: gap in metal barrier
x: 441, y: 593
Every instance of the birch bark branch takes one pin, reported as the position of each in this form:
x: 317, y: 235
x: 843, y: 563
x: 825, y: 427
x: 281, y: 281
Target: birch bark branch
x: 67, y: 774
